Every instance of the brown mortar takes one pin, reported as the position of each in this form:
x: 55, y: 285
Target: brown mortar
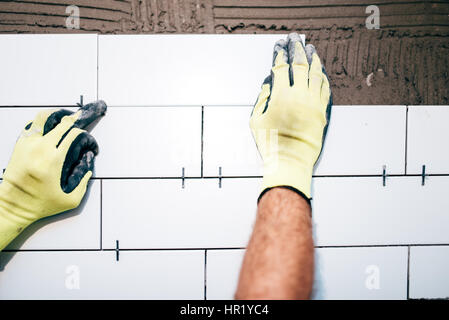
x: 406, y: 61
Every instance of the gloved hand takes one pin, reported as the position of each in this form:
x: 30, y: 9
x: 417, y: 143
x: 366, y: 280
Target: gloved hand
x: 49, y: 169
x: 290, y: 118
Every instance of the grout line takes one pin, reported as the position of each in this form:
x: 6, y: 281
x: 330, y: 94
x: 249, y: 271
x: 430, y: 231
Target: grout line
x: 176, y: 249
x: 205, y: 274
x: 386, y: 245
x: 202, y: 139
x: 406, y: 139
x: 149, y: 106
x: 39, y: 106
x: 230, y: 248
x: 259, y: 177
x: 408, y: 273
x: 53, y: 250
x: 101, y: 214
x: 98, y: 59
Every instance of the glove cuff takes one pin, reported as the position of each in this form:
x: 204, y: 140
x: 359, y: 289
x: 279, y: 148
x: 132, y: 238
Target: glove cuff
x: 308, y: 200
x: 10, y: 228
x: 11, y: 223
x: 286, y: 174
x: 13, y: 210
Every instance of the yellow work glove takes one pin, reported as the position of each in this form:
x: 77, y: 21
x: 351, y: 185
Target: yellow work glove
x: 290, y: 118
x: 49, y: 169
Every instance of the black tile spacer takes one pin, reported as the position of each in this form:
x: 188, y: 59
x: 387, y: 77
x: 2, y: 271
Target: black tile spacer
x: 117, y: 250
x: 384, y: 175
x: 81, y: 103
x: 219, y: 177
x: 423, y: 175
x: 183, y: 177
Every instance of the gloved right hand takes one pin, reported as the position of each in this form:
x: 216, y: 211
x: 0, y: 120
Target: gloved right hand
x: 49, y: 169
x: 291, y: 115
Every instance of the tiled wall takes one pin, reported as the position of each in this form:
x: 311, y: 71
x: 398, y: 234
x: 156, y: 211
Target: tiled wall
x: 173, y: 199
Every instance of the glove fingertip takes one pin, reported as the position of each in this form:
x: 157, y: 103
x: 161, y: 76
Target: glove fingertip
x: 296, y: 49
x: 280, y: 50
x: 310, y: 51
x: 90, y: 113
x: 78, y: 163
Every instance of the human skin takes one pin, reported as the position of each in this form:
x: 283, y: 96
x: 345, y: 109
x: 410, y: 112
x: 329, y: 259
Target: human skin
x: 279, y: 259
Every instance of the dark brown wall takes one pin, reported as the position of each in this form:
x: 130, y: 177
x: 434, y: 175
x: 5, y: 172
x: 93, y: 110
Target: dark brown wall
x: 406, y: 60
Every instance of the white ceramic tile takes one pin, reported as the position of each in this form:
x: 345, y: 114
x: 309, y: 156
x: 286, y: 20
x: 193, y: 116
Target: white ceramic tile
x: 228, y: 143
x: 183, y: 69
x: 429, y: 277
x: 340, y: 273
x: 427, y: 139
x: 97, y: 275
x: 47, y: 69
x: 360, y: 141
x: 360, y: 211
x: 361, y: 273
x: 158, y: 213
x: 223, y: 269
x: 75, y: 229
x: 149, y: 142
x: 134, y: 142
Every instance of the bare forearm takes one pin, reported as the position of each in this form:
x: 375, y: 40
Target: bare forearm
x: 279, y: 259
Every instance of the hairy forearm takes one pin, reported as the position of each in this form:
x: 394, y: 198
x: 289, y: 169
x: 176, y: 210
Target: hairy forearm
x: 278, y: 263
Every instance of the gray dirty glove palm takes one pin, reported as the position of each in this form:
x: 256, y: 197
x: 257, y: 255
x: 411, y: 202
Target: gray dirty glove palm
x: 291, y: 115
x: 50, y: 167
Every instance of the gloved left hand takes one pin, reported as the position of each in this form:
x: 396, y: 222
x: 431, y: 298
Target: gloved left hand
x: 49, y: 169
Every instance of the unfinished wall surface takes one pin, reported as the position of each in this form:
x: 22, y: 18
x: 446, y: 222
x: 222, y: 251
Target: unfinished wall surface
x: 406, y: 61
x: 173, y: 199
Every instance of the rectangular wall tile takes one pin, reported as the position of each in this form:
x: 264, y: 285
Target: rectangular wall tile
x: 427, y: 139
x: 75, y: 229
x: 228, y: 142
x: 47, y: 69
x: 340, y: 273
x: 97, y: 275
x: 133, y: 142
x: 223, y: 269
x: 360, y: 211
x: 183, y: 69
x: 429, y: 278
x: 360, y: 141
x: 361, y: 273
x: 149, y: 142
x: 159, y: 213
